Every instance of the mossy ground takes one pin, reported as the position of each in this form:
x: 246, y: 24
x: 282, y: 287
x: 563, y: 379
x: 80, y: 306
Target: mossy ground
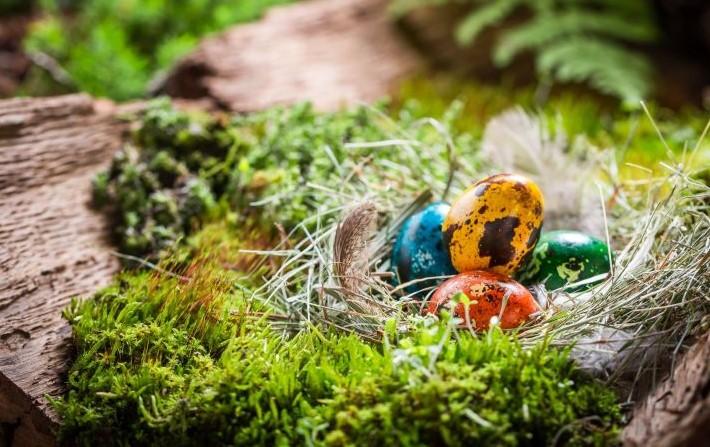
x: 191, y: 357
x: 165, y: 360
x: 180, y: 166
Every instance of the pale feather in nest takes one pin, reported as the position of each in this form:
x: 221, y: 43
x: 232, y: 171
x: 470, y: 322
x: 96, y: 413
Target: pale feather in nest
x: 518, y: 142
x: 350, y: 247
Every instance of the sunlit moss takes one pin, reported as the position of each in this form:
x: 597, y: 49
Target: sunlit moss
x: 187, y: 357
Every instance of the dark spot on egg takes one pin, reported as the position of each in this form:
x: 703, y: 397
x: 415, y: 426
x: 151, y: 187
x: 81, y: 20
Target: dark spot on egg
x: 574, y: 265
x: 497, y: 239
x: 449, y: 234
x: 534, y: 236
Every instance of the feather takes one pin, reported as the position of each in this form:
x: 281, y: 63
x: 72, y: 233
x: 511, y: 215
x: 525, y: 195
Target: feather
x: 516, y: 141
x: 350, y: 247
x: 351, y: 254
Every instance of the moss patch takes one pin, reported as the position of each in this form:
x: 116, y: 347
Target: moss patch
x: 166, y: 360
x: 180, y: 165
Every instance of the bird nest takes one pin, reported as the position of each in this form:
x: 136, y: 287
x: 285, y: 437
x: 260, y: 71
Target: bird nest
x: 625, y: 328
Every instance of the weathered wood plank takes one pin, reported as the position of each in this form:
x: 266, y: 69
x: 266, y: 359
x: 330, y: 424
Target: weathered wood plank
x: 330, y: 52
x: 52, y: 246
x: 677, y: 412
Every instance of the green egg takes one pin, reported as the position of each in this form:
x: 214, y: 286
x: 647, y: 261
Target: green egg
x: 565, y: 257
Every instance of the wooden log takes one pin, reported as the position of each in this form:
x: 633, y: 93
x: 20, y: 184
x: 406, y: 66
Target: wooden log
x: 52, y: 247
x: 677, y: 412
x: 330, y: 52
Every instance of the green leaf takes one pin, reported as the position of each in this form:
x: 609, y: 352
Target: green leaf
x: 605, y: 65
x: 483, y: 17
x: 546, y: 28
x: 553, y: 25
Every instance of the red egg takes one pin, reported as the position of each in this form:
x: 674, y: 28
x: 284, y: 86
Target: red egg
x: 486, y: 292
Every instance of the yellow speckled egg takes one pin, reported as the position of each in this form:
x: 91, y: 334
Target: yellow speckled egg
x: 494, y: 224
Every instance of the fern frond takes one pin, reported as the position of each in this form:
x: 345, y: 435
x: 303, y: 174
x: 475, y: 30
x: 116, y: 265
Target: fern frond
x: 605, y: 65
x: 481, y: 18
x: 546, y: 28
x: 573, y: 40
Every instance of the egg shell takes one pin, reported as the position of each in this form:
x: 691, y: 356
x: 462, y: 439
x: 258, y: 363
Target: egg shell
x: 494, y: 224
x: 486, y: 292
x: 565, y: 257
x: 419, y: 250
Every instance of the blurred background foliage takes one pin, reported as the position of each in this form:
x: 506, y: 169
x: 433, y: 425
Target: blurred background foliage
x: 113, y: 48
x: 572, y: 41
x: 630, y: 133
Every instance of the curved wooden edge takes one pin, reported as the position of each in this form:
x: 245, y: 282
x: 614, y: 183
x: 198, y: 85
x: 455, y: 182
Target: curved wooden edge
x: 677, y: 412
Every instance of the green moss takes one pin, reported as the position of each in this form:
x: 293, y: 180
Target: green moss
x: 180, y: 166
x: 179, y: 361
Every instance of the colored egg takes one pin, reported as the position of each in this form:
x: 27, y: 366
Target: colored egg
x: 419, y: 250
x: 565, y: 257
x: 486, y: 292
x: 494, y: 224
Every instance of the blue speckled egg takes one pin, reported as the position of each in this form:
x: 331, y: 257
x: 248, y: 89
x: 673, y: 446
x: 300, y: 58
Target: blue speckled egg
x: 419, y: 251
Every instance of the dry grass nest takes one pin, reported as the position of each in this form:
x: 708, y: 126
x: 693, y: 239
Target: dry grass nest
x: 628, y: 328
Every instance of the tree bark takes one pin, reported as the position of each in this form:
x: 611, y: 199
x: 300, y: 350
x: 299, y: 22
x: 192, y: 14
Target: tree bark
x: 329, y: 52
x: 52, y: 247
x: 677, y: 412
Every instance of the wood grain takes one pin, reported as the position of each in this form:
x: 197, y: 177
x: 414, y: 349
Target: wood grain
x: 676, y: 413
x: 330, y: 52
x: 52, y: 247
